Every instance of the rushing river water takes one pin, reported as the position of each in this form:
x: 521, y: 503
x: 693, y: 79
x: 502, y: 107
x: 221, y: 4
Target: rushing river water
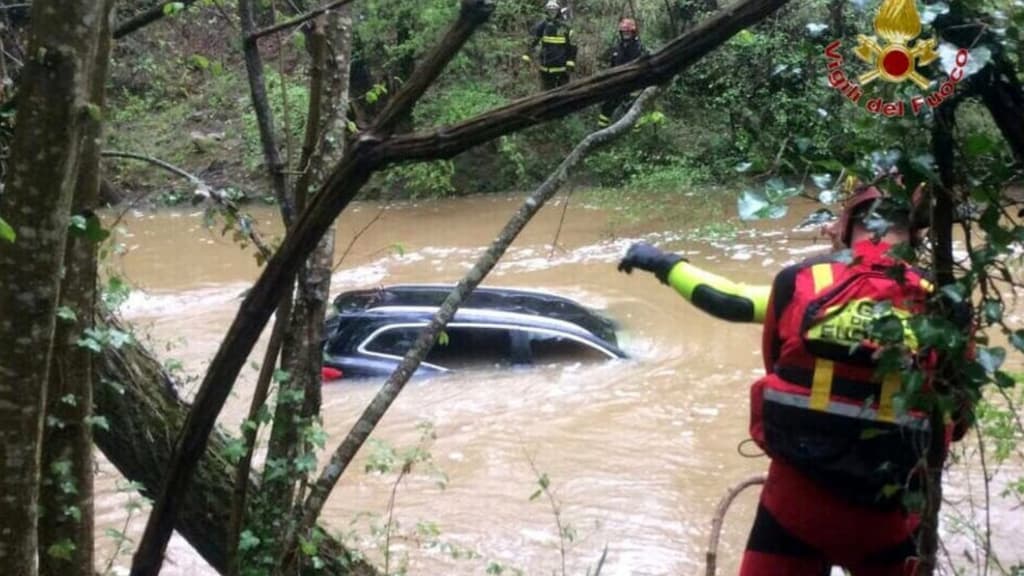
x: 638, y: 452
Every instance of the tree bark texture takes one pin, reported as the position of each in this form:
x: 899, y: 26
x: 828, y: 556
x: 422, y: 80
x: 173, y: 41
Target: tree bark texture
x: 302, y: 355
x: 136, y: 396
x: 36, y: 202
x: 943, y: 148
x: 264, y: 117
x: 375, y: 148
x: 66, y: 491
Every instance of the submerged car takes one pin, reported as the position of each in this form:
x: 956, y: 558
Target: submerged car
x: 371, y: 330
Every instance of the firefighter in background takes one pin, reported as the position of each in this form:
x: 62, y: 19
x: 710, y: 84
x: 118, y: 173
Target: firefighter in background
x: 823, y: 415
x: 626, y: 49
x: 557, y: 57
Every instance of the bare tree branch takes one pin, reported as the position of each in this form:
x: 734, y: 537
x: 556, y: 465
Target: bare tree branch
x: 253, y: 36
x: 711, y: 557
x: 146, y: 18
x: 264, y: 115
x: 215, y: 195
x: 346, y: 451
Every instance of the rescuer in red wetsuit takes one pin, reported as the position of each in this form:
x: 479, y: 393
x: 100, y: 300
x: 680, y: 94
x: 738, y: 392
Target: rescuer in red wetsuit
x: 841, y: 452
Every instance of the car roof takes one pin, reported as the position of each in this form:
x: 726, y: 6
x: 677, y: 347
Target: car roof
x: 506, y: 306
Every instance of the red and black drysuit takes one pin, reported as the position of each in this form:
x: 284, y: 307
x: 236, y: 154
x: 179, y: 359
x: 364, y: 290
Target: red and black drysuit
x: 840, y: 450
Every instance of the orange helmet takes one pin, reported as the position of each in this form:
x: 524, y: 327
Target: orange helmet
x: 627, y: 25
x: 844, y: 227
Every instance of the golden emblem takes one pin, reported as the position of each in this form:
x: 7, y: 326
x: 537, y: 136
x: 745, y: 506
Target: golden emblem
x: 897, y: 22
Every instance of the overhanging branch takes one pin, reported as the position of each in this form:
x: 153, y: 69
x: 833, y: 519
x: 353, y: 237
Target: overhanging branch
x: 148, y: 17
x: 293, y: 22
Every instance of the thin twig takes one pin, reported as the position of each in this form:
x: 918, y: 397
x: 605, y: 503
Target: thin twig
x: 556, y: 509
x: 252, y: 37
x: 148, y: 17
x: 357, y: 235
x: 600, y: 562
x: 711, y: 558
x: 391, y: 511
x: 988, y: 499
x: 265, y: 115
x: 202, y: 187
x: 561, y: 222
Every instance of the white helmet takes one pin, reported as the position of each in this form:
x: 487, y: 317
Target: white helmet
x: 552, y: 5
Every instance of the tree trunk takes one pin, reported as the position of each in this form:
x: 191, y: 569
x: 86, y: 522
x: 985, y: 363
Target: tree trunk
x: 943, y: 148
x: 137, y: 398
x: 66, y: 492
x: 36, y: 202
x: 301, y: 354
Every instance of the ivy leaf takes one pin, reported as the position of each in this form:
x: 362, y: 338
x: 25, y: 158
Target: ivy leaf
x: 822, y: 181
x: 67, y: 314
x: 172, y: 8
x: 755, y: 206
x: 991, y: 358
x: 6, y: 232
x: 100, y: 422
x: 955, y: 292
x: 1004, y: 380
x: 1017, y: 339
x: 978, y: 144
x: 815, y: 29
x: 993, y: 311
x: 90, y: 343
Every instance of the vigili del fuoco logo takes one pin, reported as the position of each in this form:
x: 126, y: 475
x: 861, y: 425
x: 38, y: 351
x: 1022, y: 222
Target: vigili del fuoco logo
x: 894, y: 54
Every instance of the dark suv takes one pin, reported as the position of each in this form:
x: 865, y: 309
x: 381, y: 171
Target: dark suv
x: 372, y: 330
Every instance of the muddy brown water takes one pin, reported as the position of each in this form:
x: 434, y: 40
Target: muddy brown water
x: 638, y: 452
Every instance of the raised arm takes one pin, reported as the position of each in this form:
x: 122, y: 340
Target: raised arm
x: 714, y: 294
x: 719, y: 296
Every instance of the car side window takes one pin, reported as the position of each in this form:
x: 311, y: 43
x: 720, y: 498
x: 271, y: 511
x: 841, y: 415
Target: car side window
x: 548, y: 348
x: 478, y: 347
x: 394, y: 341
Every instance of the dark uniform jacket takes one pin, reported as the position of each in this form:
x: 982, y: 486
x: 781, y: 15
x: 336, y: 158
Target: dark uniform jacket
x: 625, y: 51
x: 556, y: 44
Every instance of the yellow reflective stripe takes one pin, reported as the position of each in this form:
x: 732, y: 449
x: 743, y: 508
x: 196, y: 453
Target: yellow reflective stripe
x: 553, y: 69
x: 685, y: 278
x: 821, y: 385
x: 890, y: 385
x: 822, y: 274
x: 554, y: 39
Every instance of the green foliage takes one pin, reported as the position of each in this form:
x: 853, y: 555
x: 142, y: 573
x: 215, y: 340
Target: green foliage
x: 284, y: 93
x: 6, y: 232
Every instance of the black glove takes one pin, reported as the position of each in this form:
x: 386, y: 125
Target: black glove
x: 646, y: 257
